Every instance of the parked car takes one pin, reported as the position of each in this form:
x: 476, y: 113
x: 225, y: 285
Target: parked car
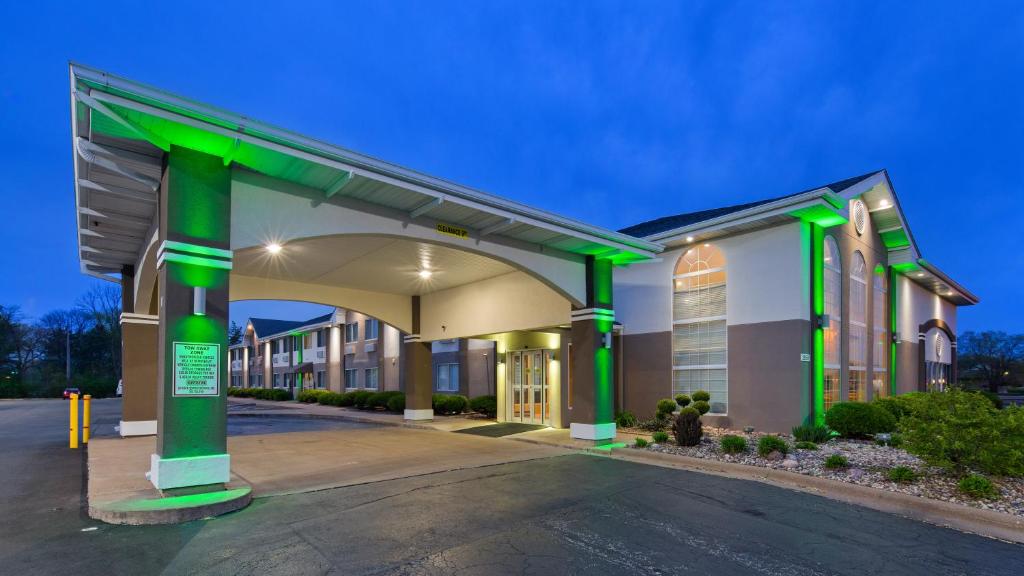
x: 69, y: 391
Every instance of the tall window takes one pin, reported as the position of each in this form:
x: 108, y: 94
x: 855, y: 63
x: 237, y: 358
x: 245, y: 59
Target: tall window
x: 446, y: 378
x: 858, y: 369
x: 350, y: 378
x: 699, y: 337
x: 880, y: 358
x: 370, y: 330
x: 319, y: 379
x: 834, y: 320
x: 351, y: 332
x: 371, y: 378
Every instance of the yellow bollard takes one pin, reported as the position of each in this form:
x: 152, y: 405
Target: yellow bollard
x: 85, y: 418
x: 73, y: 433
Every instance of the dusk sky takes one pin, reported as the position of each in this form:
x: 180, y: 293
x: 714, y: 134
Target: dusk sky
x: 612, y: 113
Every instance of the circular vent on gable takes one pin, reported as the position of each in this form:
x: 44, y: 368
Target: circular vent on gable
x: 860, y: 216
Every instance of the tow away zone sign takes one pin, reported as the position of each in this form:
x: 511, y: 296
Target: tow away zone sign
x: 196, y: 369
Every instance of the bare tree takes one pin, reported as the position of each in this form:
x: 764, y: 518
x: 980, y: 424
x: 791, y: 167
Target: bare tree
x: 995, y: 357
x: 102, y: 304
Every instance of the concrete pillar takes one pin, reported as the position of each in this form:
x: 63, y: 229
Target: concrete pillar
x: 417, y: 363
x: 193, y: 263
x: 138, y: 363
x: 592, y: 416
x: 335, y: 377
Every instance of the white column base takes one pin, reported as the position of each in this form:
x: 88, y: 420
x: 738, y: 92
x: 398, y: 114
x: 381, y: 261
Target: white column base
x: 427, y: 414
x: 137, y: 428
x: 592, y: 431
x: 167, y: 473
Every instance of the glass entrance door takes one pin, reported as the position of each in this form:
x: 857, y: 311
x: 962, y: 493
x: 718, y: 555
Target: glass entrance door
x: 527, y: 386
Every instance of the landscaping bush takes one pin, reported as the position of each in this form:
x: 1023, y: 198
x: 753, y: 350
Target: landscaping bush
x: 702, y: 406
x: 859, y: 420
x: 687, y: 427
x: 652, y: 424
x: 361, y: 397
x: 12, y: 389
x: 898, y: 406
x: 994, y: 398
x: 640, y: 443
x: 806, y: 445
x: 329, y: 399
x: 396, y: 403
x: 660, y: 437
x: 277, y: 394
x: 347, y: 399
x: 977, y: 486
x: 486, y: 405
x: 733, y: 444
x: 701, y: 396
x: 380, y: 399
x: 901, y: 474
x: 683, y: 400
x: 625, y: 419
x: 962, y: 431
x: 768, y: 444
x: 666, y: 406
x: 450, y: 403
x: 811, y: 433
x: 836, y: 461
x: 311, y: 396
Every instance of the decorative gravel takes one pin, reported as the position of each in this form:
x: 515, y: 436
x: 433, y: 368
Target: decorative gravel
x: 868, y: 464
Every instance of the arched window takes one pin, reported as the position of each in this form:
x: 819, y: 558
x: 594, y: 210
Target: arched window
x: 858, y: 358
x: 880, y: 357
x: 699, y: 337
x: 834, y: 323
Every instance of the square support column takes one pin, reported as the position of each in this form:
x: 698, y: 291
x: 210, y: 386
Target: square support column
x: 592, y: 399
x: 139, y: 338
x: 193, y: 264
x: 417, y: 360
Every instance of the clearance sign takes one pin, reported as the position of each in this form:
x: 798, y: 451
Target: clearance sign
x: 452, y: 230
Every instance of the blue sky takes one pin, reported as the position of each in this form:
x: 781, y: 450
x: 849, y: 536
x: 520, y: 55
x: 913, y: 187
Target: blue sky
x: 609, y: 112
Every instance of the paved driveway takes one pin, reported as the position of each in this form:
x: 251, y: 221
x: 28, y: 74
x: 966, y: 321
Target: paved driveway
x: 575, y: 514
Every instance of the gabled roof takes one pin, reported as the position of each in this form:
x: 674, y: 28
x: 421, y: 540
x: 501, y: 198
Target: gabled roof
x: 266, y: 327
x: 666, y: 223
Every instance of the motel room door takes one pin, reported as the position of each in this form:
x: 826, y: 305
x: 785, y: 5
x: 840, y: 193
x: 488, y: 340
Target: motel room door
x: 528, y: 386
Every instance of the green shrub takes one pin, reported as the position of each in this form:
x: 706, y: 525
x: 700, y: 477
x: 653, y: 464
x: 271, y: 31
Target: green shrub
x: 962, y: 431
x: 278, y: 394
x: 486, y: 405
x: 811, y: 433
x: 397, y: 403
x: 660, y: 437
x: 898, y: 406
x: 806, y: 445
x: 977, y: 486
x: 733, y: 444
x: 683, y: 400
x: 347, y: 399
x: 14, y: 389
x: 652, y: 424
x: 380, y: 399
x: 625, y: 419
x: 768, y: 444
x: 450, y: 403
x: 687, y: 427
x: 994, y: 398
x: 701, y: 396
x: 329, y: 399
x: 640, y: 443
x: 361, y: 397
x: 702, y: 406
x: 859, y: 420
x: 836, y: 461
x: 666, y: 406
x: 311, y: 396
x: 901, y: 474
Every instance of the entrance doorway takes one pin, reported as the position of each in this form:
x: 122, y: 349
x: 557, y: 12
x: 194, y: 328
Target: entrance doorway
x: 528, y: 394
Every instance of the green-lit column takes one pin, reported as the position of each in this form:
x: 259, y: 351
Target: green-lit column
x: 591, y: 409
x: 193, y: 264
x: 818, y: 299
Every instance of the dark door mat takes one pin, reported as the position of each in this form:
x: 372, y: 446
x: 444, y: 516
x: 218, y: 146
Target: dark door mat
x: 501, y: 429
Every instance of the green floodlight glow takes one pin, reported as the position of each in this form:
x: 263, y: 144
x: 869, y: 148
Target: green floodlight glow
x: 894, y: 239
x: 175, y: 502
x: 904, y: 267
x: 893, y: 303
x: 609, y: 447
x: 821, y: 215
x: 818, y: 275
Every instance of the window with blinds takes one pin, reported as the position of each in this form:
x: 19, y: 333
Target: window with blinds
x: 858, y: 369
x: 699, y: 334
x: 880, y: 357
x: 833, y: 329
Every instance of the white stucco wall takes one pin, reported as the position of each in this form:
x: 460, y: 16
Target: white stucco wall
x: 767, y: 280
x: 915, y: 306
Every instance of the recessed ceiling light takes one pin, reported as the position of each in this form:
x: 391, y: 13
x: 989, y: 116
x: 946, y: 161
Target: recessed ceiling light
x: 426, y: 274
x: 883, y: 203
x: 689, y: 238
x: 920, y: 274
x: 273, y: 247
x: 707, y: 245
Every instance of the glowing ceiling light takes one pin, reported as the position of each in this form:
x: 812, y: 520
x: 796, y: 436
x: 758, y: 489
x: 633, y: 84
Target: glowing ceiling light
x: 426, y: 274
x: 273, y: 248
x: 689, y: 238
x: 883, y: 203
x: 920, y: 274
x: 707, y: 245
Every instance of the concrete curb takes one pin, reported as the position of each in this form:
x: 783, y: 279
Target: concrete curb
x: 964, y: 518
x: 149, y: 511
x: 340, y: 416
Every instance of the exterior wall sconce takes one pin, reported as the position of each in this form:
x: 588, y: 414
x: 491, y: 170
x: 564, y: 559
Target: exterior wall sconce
x: 606, y: 340
x: 199, y: 301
